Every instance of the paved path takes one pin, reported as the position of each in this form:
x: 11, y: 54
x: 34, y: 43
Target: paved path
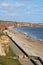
x: 18, y: 52
x: 31, y: 48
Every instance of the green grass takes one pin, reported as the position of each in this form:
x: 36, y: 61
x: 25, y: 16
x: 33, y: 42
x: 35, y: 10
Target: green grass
x: 8, y: 61
x: 10, y: 53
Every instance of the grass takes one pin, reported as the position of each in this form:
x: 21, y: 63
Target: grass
x: 8, y: 61
x: 10, y: 53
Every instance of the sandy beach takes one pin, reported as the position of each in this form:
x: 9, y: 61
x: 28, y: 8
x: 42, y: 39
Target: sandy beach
x: 30, y: 45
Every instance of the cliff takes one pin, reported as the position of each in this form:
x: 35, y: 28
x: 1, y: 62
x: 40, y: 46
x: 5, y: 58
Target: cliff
x: 5, y: 24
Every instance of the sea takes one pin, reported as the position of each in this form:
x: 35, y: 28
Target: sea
x: 34, y: 32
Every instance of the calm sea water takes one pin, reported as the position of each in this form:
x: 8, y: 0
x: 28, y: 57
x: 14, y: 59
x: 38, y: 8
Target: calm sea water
x: 35, y: 32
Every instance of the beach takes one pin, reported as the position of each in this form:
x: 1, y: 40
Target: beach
x: 30, y: 45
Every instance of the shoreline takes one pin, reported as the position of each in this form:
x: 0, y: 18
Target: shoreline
x: 30, y: 32
x: 32, y: 47
x: 28, y: 37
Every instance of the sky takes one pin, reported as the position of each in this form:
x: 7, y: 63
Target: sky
x: 22, y: 10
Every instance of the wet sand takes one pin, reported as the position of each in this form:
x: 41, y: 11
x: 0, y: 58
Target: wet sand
x: 32, y: 46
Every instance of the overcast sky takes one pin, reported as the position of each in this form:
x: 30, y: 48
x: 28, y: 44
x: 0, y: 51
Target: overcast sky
x: 22, y: 10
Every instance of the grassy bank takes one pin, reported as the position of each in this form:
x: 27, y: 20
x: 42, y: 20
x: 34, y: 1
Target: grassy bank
x: 10, y: 53
x: 8, y: 59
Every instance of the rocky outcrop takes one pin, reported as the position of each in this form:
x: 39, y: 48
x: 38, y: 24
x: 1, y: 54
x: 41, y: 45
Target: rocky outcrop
x: 5, y: 43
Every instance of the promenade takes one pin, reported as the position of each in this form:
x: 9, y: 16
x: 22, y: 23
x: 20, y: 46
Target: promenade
x: 29, y: 45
